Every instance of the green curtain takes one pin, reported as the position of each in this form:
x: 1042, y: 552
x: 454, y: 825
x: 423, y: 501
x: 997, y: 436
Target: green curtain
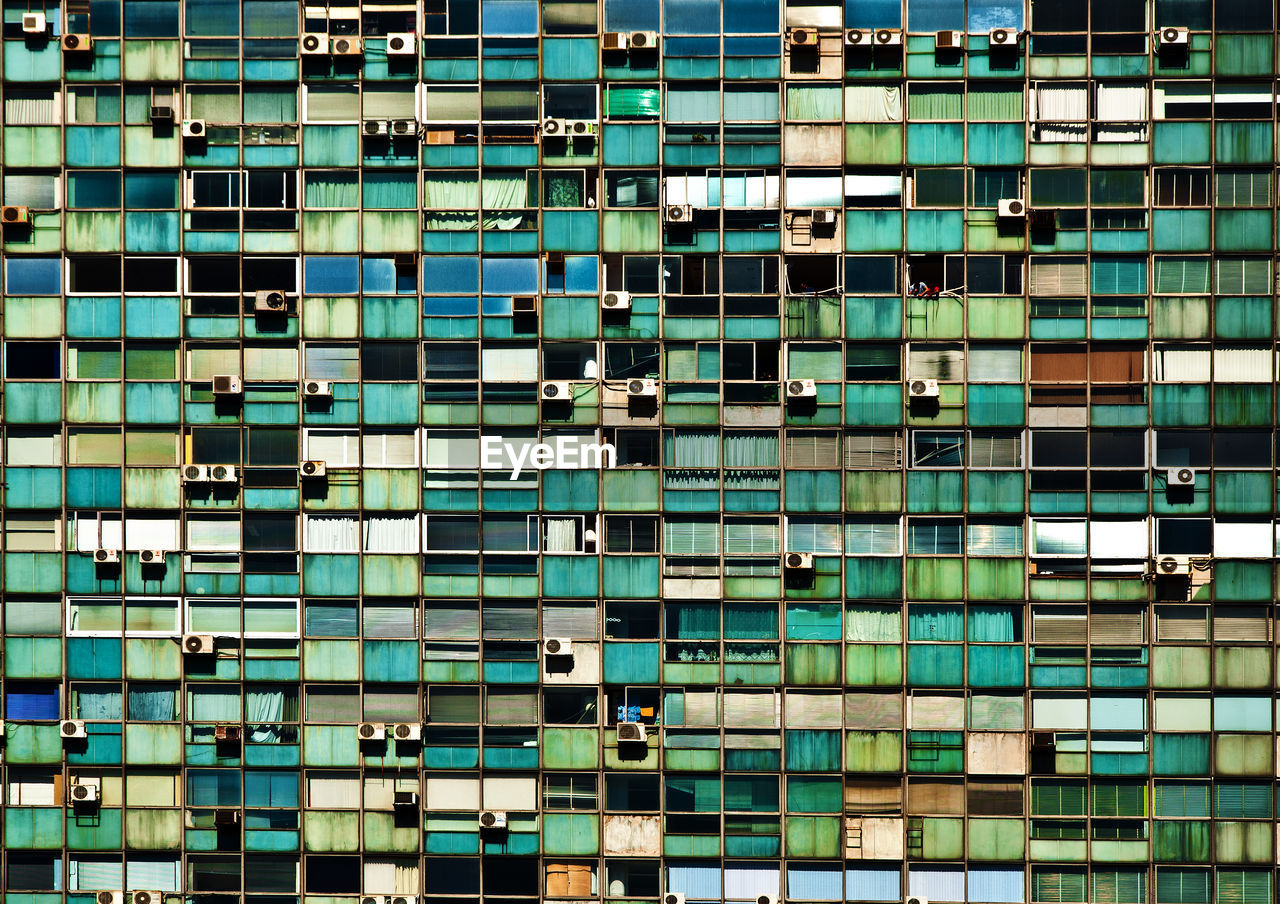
x: 992, y: 624
x: 926, y: 622
x: 632, y: 102
x: 813, y: 102
x: 692, y: 621
x: 331, y: 189
x: 750, y: 621
x: 995, y: 104
x: 751, y: 450
x: 684, y: 449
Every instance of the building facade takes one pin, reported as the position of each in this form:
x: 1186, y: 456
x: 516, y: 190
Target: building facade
x: 906, y: 522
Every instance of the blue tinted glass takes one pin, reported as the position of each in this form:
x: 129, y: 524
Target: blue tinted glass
x: 450, y: 307
x: 873, y: 13
x: 331, y: 275
x: 142, y: 190
x: 32, y: 276
x: 581, y: 275
x: 749, y: 16
x: 514, y: 276
x: 378, y: 276
x: 691, y: 17
x: 935, y: 15
x: 150, y: 19
x: 93, y: 189
x: 31, y: 703
x: 509, y: 17
x: 451, y: 274
x: 631, y: 15
x: 985, y: 15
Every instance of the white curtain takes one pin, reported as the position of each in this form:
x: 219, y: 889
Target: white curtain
x: 1241, y: 365
x: 687, y: 190
x: 1180, y: 364
x: 390, y: 877
x: 391, y: 534
x: 331, y: 533
x: 31, y: 109
x: 872, y: 103
x: 562, y: 535
x: 1060, y: 103
x: 1059, y: 276
x: 1122, y: 103
x: 814, y: 191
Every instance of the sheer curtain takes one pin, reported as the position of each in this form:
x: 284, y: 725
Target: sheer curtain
x: 935, y: 623
x: 1061, y: 112
x: 331, y: 189
x: 750, y: 450
x: 874, y: 624
x: 264, y: 705
x: 99, y: 702
x: 562, y: 535
x: 872, y: 103
x: 691, y: 450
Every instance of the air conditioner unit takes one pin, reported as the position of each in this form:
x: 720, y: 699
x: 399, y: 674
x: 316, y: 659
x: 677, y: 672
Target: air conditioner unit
x: 823, y: 216
x: 632, y: 732
x: 581, y: 128
x: 402, y: 44
x: 493, y: 819
x: 371, y: 731
x: 197, y: 644
x: 317, y: 389
x: 312, y: 468
x: 677, y: 213
x: 85, y: 792
x: 222, y: 474
x: 1174, y: 36
x: 227, y: 734
x: 34, y: 24
x: 106, y: 556
x: 802, y: 37
x: 152, y: 556
x: 1180, y: 477
x: 347, y: 46
x: 948, y: 40
x: 613, y: 40
x: 643, y: 40
x: 857, y: 37
x: 403, y: 127
x: 552, y: 127
x: 616, y: 301
x: 1173, y: 565
x: 195, y: 474
x: 557, y: 391
x: 109, y: 897
x: 72, y: 728
x: 77, y: 43
x: 15, y: 216
x: 404, y: 799
x: 1011, y: 208
x: 673, y: 897
x: 147, y: 897
x: 642, y: 388
x: 374, y: 127
x: 407, y: 731
x: 315, y: 44
x: 401, y: 899
x: 888, y: 37
x: 916, y: 899
x: 524, y: 304
x: 162, y: 112
x: 802, y: 389
x: 922, y: 389
x: 1002, y: 37
x: 557, y: 646
x: 227, y: 384
x: 766, y: 899
x: 226, y: 817
x: 269, y: 300
x: 194, y: 128
x: 798, y: 561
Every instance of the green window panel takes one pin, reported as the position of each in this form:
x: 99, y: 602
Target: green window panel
x: 873, y: 665
x: 153, y: 830
x: 1242, y: 580
x: 935, y: 230
x: 813, y: 836
x: 936, y: 579
x: 1186, y: 667
x: 1181, y: 841
x: 873, y: 751
x: 33, y: 488
x: 1243, y: 142
x: 935, y: 752
x: 570, y: 58
x: 812, y: 664
x: 1244, y: 55
x: 1182, y: 886
x: 571, y: 748
x: 1239, y: 405
x: 1180, y: 405
x: 1243, y: 230
x: 934, y: 318
x: 1242, y: 318
x: 873, y: 578
x: 33, y: 828
x: 390, y: 575
x: 1242, y: 754
x: 997, y: 666
x: 997, y: 144
x: 1241, y: 667
x: 325, y: 831
x: 382, y: 834
x: 572, y: 834
x: 812, y: 750
x: 935, y: 665
x: 813, y: 491
x: 32, y: 657
x: 631, y: 144
x: 811, y: 794
x: 876, y: 144
x: 935, y: 143
x: 935, y: 491
x: 1181, y: 142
